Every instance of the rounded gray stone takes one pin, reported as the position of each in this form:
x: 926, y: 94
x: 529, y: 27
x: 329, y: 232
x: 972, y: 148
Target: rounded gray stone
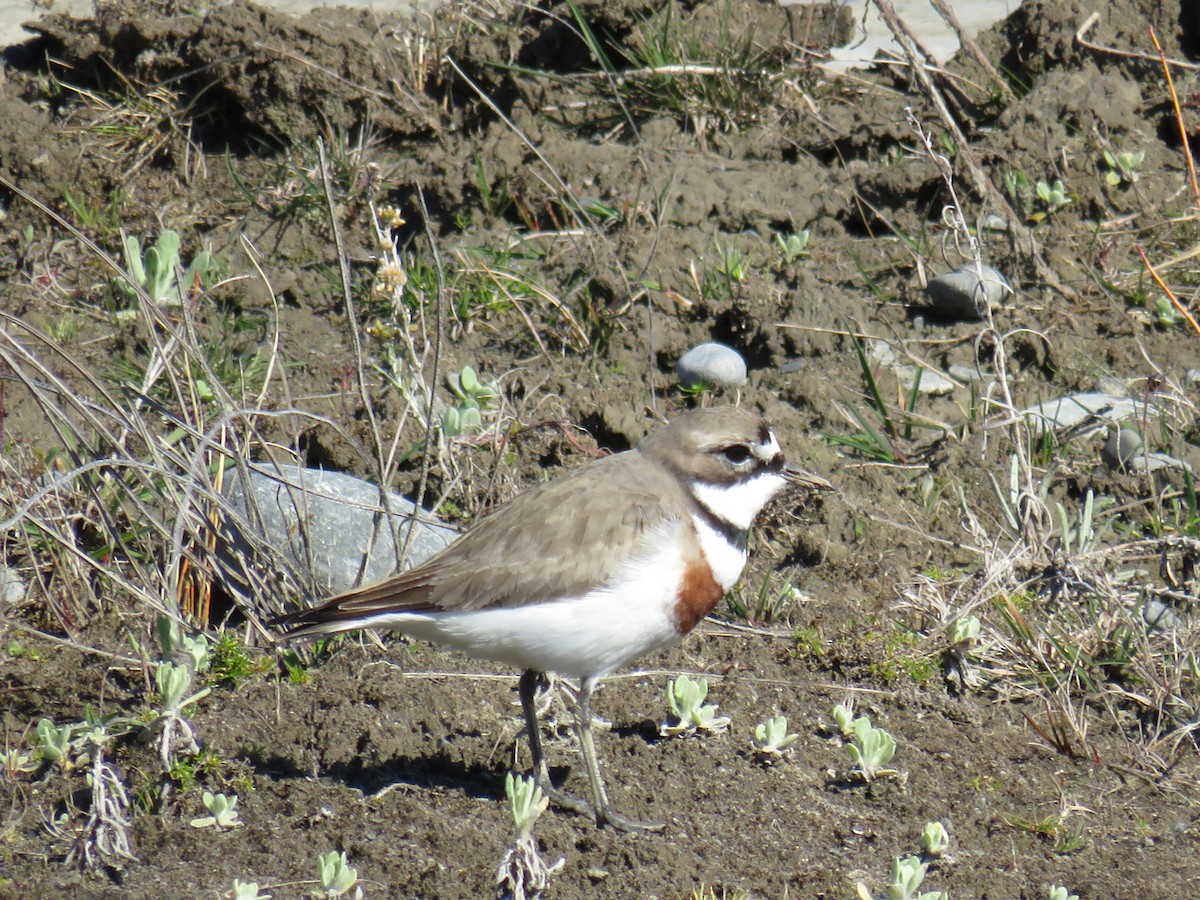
x: 1122, y: 445
x: 964, y: 294
x: 12, y: 586
x: 711, y: 364
x: 1159, y: 616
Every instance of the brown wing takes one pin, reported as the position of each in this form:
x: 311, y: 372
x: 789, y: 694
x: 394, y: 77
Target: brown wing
x: 532, y: 549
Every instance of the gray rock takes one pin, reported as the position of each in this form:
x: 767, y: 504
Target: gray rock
x: 1142, y: 463
x: 1123, y: 444
x: 963, y: 294
x: 932, y: 382
x: 711, y: 363
x: 320, y: 523
x: 967, y: 374
x: 12, y: 586
x: 1077, y: 409
x: 1159, y: 616
x: 1124, y: 451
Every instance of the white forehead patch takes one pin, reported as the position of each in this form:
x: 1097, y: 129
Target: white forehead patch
x: 769, y: 450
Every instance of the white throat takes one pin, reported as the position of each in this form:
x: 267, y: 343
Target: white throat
x: 738, y: 504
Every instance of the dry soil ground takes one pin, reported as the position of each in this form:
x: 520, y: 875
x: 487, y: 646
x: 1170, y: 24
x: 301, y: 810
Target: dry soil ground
x: 586, y: 210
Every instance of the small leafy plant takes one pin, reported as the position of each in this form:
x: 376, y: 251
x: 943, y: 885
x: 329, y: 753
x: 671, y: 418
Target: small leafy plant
x: 732, y: 263
x: 222, y: 812
x: 173, y: 682
x: 843, y: 718
x: 337, y: 876
x: 907, y: 876
x: 1058, y: 892
x: 771, y: 738
x: 53, y: 741
x: 1165, y: 313
x: 178, y: 647
x: 526, y: 803
x: 1123, y: 166
x: 157, y: 269
x: 523, y: 872
x: 935, y: 840
x: 471, y: 396
x: 1052, y: 195
x: 792, y: 246
x: 964, y: 633
x: 871, y: 749
x: 962, y: 638
x: 246, y: 890
x: 14, y: 762
x: 685, y: 698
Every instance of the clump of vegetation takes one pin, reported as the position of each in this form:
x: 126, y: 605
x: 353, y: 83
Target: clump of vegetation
x: 772, y: 739
x: 337, y: 877
x: 871, y: 749
x: 935, y: 839
x: 907, y: 877
x: 222, y: 812
x: 471, y: 397
x: 685, y: 699
x: 158, y: 271
x: 792, y: 246
x: 523, y: 874
x: 1123, y: 167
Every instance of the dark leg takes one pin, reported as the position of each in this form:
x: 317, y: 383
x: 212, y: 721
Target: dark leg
x: 527, y: 689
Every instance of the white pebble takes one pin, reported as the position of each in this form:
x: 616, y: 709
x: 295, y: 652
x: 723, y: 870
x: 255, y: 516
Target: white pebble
x: 712, y: 364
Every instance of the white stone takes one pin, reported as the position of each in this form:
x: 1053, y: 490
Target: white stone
x: 711, y: 363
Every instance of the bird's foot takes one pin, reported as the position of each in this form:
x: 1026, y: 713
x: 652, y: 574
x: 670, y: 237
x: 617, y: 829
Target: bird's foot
x: 603, y: 816
x: 619, y: 822
x: 563, y: 800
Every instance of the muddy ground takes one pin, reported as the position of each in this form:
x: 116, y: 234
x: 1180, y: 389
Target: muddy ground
x: 585, y: 243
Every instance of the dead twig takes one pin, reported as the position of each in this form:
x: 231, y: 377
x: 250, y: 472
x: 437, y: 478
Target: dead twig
x: 1183, y: 134
x: 1124, y: 54
x: 1162, y: 286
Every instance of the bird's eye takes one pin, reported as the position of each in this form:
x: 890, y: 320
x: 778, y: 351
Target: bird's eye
x: 736, y: 453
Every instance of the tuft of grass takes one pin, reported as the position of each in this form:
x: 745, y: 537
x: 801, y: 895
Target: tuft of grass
x: 1053, y: 830
x: 133, y: 123
x: 712, y: 79
x: 764, y: 606
x: 232, y: 663
x: 880, y: 428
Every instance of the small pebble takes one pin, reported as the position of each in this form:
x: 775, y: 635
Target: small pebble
x: 12, y: 586
x: 1122, y: 446
x: 711, y: 364
x: 962, y: 294
x: 1159, y: 616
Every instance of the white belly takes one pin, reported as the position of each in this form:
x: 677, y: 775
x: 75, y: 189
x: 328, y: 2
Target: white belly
x: 586, y: 636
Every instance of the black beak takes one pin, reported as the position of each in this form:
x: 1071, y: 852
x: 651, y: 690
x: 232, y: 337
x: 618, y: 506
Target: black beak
x: 806, y: 479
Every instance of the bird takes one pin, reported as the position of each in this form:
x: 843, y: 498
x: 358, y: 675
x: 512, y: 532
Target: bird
x: 586, y: 572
